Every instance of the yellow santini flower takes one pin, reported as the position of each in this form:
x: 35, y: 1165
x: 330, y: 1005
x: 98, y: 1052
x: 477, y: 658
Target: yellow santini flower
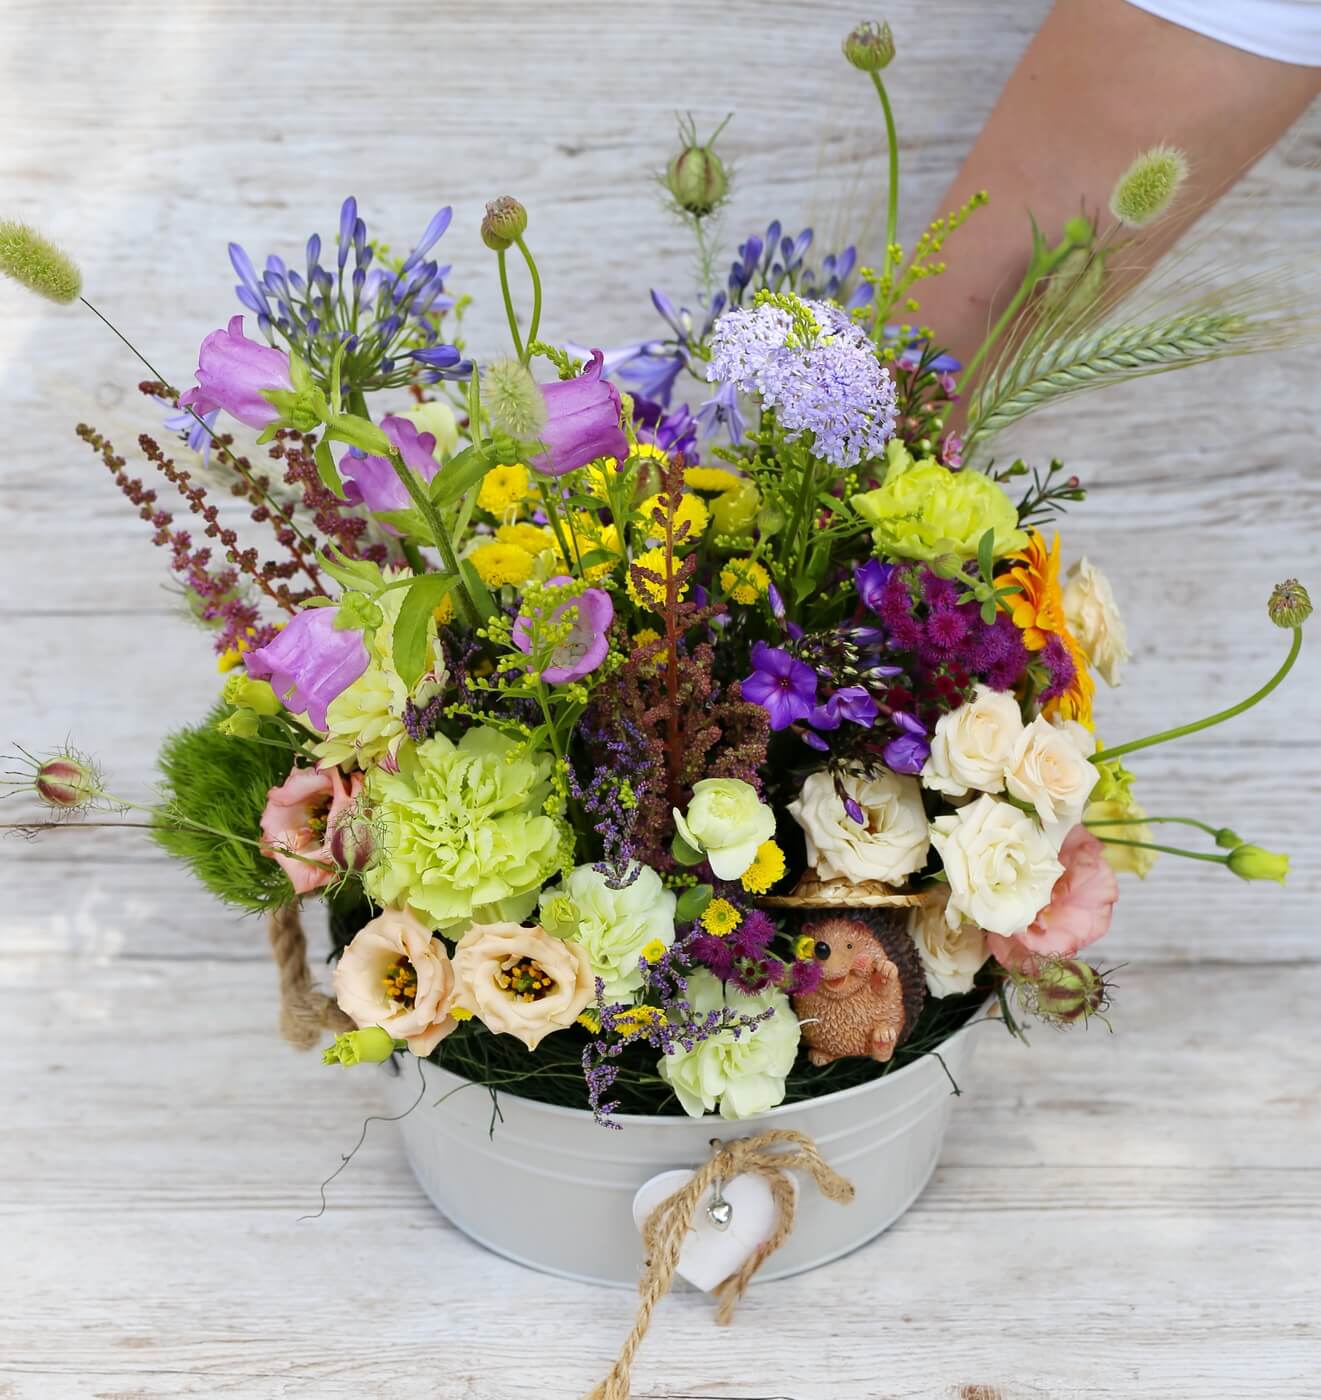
x: 690, y: 518
x: 637, y: 1020
x: 504, y: 489
x: 767, y: 867
x: 653, y: 951
x: 744, y: 580
x: 444, y: 611
x: 533, y: 538
x: 590, y: 1021
x: 230, y: 658
x: 648, y: 592
x: 498, y: 564
x: 586, y: 536
x: 645, y: 637
x: 804, y: 947
x: 720, y: 917
x: 1038, y: 612
x: 711, y: 480
x: 460, y: 1013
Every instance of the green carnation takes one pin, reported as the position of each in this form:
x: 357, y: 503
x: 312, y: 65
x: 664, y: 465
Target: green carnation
x: 467, y: 836
x: 923, y: 511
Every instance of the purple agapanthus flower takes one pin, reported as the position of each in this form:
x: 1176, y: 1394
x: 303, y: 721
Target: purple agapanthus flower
x: 908, y: 752
x: 310, y: 662
x: 196, y: 428
x: 583, y: 650
x: 234, y: 373
x: 582, y: 422
x: 722, y: 410
x: 852, y: 703
x: 372, y: 481
x: 781, y: 684
x: 675, y: 431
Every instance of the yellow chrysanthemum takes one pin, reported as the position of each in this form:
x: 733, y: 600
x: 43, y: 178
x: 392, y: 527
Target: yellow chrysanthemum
x: 533, y: 538
x: 637, y: 1020
x: 504, y: 489
x: 645, y: 637
x: 648, y: 592
x: 497, y: 564
x: 711, y: 480
x: 444, y: 611
x: 590, y: 1021
x: 720, y: 917
x: 767, y: 867
x: 804, y: 947
x: 744, y: 580
x: 653, y: 951
x: 586, y: 535
x: 690, y: 518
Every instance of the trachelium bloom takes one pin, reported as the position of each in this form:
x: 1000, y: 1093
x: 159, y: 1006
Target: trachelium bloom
x: 504, y: 223
x: 1147, y: 188
x: 870, y: 46
x: 1289, y: 605
x: 67, y: 781
x: 32, y: 259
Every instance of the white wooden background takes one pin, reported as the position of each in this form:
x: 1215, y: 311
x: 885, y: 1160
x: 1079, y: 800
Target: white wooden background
x: 1126, y: 1216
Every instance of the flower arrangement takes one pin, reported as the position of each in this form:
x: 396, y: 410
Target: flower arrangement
x: 622, y: 703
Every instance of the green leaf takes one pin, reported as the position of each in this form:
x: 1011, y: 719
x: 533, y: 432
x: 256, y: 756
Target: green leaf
x: 692, y: 902
x: 684, y: 853
x: 579, y: 501
x: 408, y: 522
x: 351, y: 573
x: 593, y: 557
x: 359, y: 432
x: 477, y: 591
x: 411, y: 627
x: 326, y: 469
x: 986, y: 555
x: 458, y: 475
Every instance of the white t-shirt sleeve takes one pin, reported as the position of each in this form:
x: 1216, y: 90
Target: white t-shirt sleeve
x: 1288, y: 30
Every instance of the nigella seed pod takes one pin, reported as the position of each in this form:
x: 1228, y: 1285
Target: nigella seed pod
x: 504, y: 223
x: 1290, y: 605
x: 353, y: 841
x: 697, y: 179
x: 870, y: 46
x: 1068, y: 990
x: 67, y: 782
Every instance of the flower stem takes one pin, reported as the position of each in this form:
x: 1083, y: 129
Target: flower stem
x: 1169, y: 850
x: 1105, y: 755
x: 1144, y: 821
x: 509, y: 306
x: 891, y: 198
x: 535, y: 324
x: 550, y: 723
x: 557, y: 527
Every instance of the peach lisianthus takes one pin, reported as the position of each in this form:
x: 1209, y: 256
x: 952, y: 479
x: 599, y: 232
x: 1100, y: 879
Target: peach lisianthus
x: 522, y: 981
x: 299, y: 816
x: 1081, y: 905
x: 397, y: 976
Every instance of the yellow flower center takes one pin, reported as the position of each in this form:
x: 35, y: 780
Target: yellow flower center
x: 525, y: 980
x: 400, y: 983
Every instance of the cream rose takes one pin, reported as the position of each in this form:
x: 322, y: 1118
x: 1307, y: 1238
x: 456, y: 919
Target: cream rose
x: 726, y: 821
x: 891, y: 841
x: 1000, y: 865
x: 1050, y: 767
x: 971, y: 745
x: 1093, y: 617
x: 951, y: 955
x: 521, y: 981
x: 397, y: 976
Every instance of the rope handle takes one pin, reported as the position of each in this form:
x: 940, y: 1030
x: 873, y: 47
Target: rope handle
x: 664, y: 1230
x: 305, y: 1012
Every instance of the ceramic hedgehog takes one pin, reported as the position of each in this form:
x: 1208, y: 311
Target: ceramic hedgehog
x: 871, y: 990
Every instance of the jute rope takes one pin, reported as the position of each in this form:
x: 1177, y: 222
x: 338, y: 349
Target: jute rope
x: 304, y: 1012
x: 665, y: 1228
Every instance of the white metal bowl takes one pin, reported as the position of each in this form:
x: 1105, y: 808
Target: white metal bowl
x: 552, y: 1189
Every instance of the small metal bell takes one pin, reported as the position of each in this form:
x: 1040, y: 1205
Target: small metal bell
x: 718, y: 1210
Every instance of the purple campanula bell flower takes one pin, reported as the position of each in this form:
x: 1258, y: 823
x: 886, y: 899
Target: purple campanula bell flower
x: 584, y: 649
x: 234, y: 372
x: 870, y: 579
x: 371, y: 481
x: 582, y: 422
x: 852, y: 703
x: 909, y: 752
x: 310, y: 662
x: 781, y: 684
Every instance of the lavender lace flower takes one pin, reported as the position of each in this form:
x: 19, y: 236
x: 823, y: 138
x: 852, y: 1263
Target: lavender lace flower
x: 831, y: 384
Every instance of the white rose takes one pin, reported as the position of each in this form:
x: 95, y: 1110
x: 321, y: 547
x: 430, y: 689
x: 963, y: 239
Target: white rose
x: 889, y: 844
x: 727, y: 821
x: 614, y: 926
x: 971, y: 745
x: 1050, y: 767
x: 744, y: 1074
x: 1000, y: 865
x: 1093, y: 617
x: 951, y: 956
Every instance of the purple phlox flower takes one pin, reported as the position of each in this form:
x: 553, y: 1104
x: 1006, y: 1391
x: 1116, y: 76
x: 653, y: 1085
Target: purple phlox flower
x: 583, y: 650
x: 372, y: 481
x: 310, y: 662
x: 776, y: 600
x: 855, y: 811
x: 908, y: 752
x: 794, y: 630
x: 198, y: 434
x: 852, y: 703
x: 234, y: 373
x: 582, y: 422
x: 835, y: 387
x: 870, y: 579
x: 722, y: 410
x: 781, y: 684
x: 813, y: 741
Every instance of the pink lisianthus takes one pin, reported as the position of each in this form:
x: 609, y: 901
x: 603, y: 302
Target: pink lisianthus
x: 234, y: 372
x: 299, y: 817
x: 1082, y: 902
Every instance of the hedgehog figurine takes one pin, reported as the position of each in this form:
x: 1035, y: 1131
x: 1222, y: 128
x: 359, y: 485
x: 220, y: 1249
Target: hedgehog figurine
x: 871, y: 990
